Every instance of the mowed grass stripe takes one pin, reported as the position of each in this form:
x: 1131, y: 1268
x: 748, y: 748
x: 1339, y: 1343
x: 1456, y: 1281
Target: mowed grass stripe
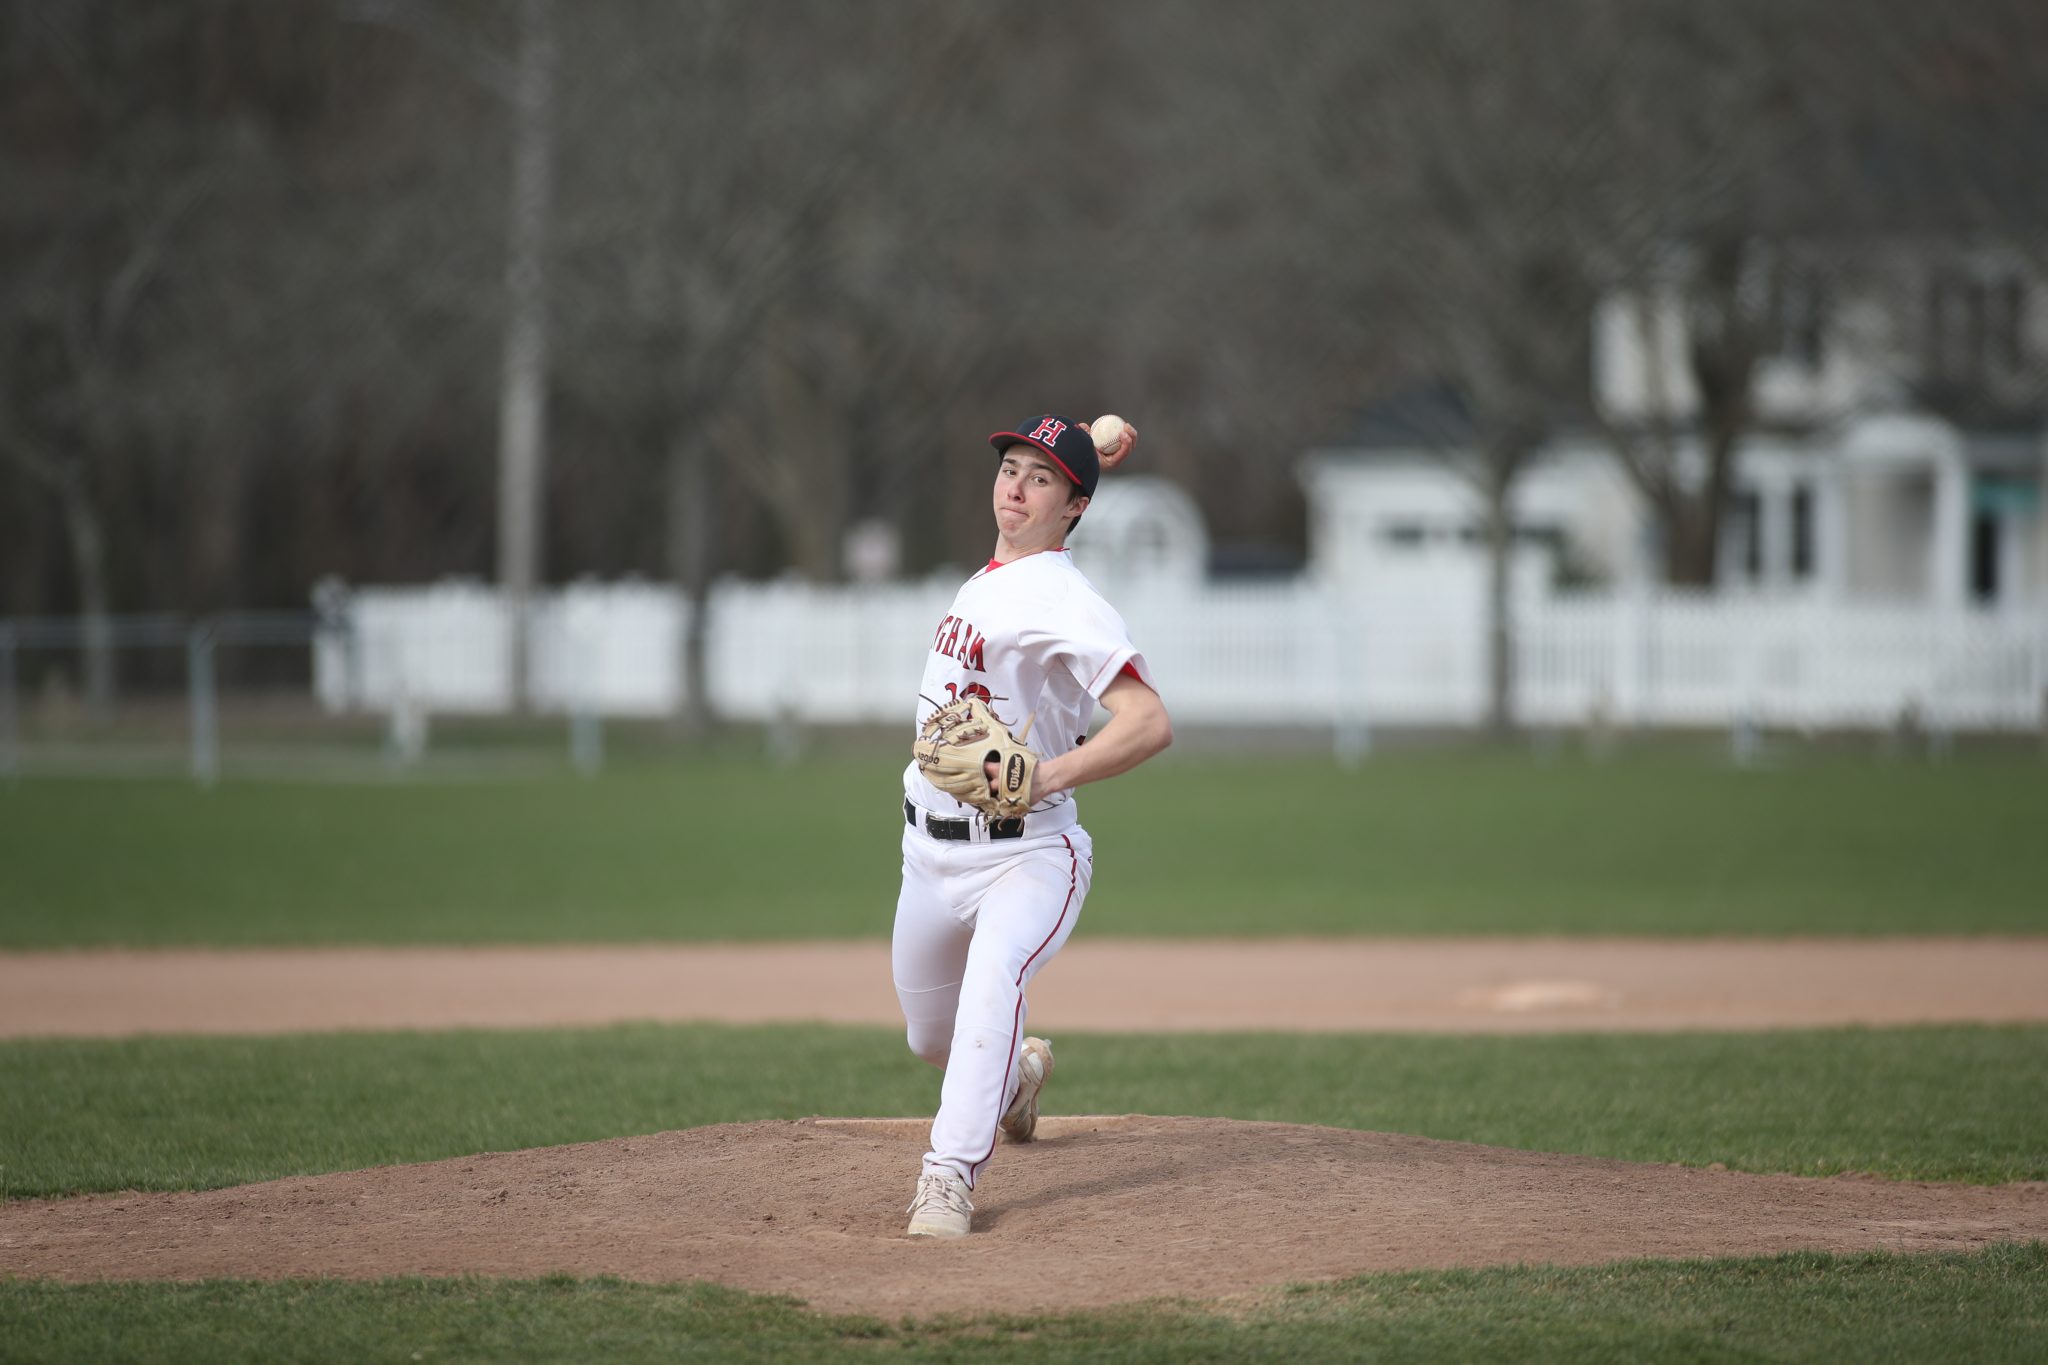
x: 725, y: 847
x: 1984, y: 1307
x: 1951, y: 1103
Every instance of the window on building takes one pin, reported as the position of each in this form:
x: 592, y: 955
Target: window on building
x: 1799, y: 318
x: 1746, y: 528
x: 2008, y: 337
x: 1976, y: 325
x: 1405, y: 535
x: 1802, y: 532
x: 1984, y: 530
x: 1946, y: 341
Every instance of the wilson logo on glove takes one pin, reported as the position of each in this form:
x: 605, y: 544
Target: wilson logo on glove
x: 956, y: 742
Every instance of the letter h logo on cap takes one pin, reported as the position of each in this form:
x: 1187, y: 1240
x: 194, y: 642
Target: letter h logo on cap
x: 1049, y: 431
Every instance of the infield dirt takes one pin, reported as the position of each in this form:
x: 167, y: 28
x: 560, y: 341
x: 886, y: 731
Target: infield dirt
x: 1457, y: 985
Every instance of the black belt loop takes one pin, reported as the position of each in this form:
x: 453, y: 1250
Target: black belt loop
x: 960, y: 829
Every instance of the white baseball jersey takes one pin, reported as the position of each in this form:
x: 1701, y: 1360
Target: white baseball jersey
x: 1033, y: 639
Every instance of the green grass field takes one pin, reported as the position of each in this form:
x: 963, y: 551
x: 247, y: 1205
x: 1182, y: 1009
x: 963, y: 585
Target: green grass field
x: 1963, y: 1103
x: 721, y: 847
x: 1987, y: 1308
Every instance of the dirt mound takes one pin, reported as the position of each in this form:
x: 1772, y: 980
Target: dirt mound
x: 1098, y: 1211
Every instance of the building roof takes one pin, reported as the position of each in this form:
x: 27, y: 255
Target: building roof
x: 1425, y: 416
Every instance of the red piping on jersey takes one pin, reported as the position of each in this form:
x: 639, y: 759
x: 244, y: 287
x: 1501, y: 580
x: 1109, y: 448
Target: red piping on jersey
x: 1127, y: 668
x: 1017, y: 1018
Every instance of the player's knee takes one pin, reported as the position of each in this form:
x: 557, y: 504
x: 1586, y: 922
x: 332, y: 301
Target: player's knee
x: 931, y: 1049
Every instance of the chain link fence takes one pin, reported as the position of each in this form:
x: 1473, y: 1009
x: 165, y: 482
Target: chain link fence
x: 237, y: 693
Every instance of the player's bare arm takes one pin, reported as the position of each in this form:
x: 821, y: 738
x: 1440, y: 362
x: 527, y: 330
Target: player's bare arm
x: 1138, y: 728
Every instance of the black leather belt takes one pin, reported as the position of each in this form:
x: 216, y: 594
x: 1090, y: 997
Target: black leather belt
x: 961, y: 827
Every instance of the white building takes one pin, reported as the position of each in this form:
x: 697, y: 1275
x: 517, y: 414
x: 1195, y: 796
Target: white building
x: 1851, y: 487
x: 1143, y: 531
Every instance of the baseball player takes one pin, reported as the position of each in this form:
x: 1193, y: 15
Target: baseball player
x: 995, y: 862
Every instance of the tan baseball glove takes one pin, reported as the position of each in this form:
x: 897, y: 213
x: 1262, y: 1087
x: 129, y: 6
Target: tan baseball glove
x: 957, y: 739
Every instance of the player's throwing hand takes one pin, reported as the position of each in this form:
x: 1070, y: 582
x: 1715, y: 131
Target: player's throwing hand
x: 1113, y: 437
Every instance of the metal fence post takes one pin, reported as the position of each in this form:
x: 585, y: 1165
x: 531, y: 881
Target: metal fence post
x: 580, y: 688
x: 205, y: 712
x: 10, y: 734
x: 586, y: 739
x: 1351, y: 740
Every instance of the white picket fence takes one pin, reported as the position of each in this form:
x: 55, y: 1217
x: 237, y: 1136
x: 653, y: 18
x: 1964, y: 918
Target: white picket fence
x: 1270, y: 654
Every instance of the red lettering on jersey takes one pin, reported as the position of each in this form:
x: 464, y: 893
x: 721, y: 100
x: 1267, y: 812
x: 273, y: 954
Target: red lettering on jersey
x: 947, y: 641
x: 1049, y: 431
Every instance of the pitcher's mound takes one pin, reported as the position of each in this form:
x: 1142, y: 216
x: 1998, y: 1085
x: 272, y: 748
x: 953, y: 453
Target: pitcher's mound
x: 1099, y: 1210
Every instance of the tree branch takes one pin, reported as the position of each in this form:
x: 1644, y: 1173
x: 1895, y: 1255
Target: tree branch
x: 494, y: 71
x: 38, y: 460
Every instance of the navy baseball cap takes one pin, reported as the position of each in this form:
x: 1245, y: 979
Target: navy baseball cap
x: 1071, y: 448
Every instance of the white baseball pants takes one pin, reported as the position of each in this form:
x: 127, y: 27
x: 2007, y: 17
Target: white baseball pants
x: 974, y: 923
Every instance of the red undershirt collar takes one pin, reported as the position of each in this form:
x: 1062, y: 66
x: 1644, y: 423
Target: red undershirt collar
x: 995, y: 564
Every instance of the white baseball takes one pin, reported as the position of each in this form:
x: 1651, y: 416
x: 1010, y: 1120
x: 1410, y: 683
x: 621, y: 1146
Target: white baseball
x: 1108, y: 431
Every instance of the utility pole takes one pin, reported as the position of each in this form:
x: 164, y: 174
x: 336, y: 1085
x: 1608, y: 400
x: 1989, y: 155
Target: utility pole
x: 523, y: 396
x: 526, y: 82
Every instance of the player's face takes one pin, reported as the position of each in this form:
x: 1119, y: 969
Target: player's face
x: 1034, y: 500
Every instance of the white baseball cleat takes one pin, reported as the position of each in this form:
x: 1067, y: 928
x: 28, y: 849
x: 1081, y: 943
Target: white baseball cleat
x: 941, y: 1208
x: 1034, y: 1069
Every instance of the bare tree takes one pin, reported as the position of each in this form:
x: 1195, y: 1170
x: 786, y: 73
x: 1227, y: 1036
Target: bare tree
x: 1783, y: 156
x: 522, y: 75
x: 1730, y: 158
x: 737, y: 236
x: 1956, y: 98
x: 1954, y: 102
x: 74, y: 314
x: 1463, y: 186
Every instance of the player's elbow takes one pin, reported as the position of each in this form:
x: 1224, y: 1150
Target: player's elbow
x: 1159, y: 731
x: 1140, y: 717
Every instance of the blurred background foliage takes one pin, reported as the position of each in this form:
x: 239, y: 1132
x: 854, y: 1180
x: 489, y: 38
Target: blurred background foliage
x: 273, y: 268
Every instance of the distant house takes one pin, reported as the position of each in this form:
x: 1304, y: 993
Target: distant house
x: 1899, y: 455
x: 1143, y: 531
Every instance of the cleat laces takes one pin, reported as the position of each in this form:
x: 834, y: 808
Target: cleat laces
x: 936, y: 1191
